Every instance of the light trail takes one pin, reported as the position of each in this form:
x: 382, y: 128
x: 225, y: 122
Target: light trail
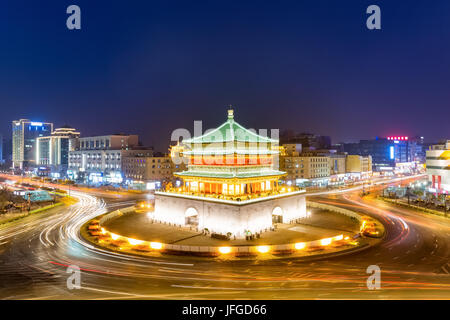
x: 48, y: 244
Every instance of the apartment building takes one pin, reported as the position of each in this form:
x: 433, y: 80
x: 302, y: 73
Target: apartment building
x: 100, y: 159
x: 52, y: 152
x: 359, y: 166
x: 438, y: 167
x: 156, y: 168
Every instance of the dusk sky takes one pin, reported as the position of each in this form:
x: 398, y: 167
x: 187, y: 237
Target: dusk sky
x: 149, y: 67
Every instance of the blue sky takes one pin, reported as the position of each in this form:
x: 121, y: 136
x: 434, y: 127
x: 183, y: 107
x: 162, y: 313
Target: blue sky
x: 148, y: 67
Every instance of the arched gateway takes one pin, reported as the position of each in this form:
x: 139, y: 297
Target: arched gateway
x: 191, y: 216
x: 277, y: 215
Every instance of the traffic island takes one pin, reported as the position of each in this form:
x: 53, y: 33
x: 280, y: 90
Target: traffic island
x: 324, y: 233
x: 63, y: 200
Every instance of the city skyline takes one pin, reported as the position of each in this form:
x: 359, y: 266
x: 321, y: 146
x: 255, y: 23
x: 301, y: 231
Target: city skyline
x: 190, y: 63
x: 227, y: 157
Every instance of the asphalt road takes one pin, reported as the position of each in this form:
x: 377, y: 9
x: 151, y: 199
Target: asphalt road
x: 35, y: 252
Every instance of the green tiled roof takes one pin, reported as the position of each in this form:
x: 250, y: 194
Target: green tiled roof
x: 230, y: 131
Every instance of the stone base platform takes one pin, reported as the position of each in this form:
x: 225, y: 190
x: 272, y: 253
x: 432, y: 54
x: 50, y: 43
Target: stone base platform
x: 320, y: 224
x: 229, y: 217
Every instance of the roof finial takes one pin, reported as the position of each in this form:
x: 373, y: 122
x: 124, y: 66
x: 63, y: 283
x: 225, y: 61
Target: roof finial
x: 230, y: 112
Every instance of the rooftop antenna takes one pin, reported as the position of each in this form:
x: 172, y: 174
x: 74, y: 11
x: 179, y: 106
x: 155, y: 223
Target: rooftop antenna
x: 230, y: 112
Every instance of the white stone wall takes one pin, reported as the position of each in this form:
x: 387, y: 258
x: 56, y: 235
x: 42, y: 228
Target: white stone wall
x: 223, y: 217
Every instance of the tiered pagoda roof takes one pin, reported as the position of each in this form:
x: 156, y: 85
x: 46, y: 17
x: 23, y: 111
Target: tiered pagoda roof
x: 230, y: 131
x: 251, y: 154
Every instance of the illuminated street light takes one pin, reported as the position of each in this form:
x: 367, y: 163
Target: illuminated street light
x: 224, y: 250
x: 156, y: 245
x: 300, y: 245
x: 263, y: 249
x: 325, y: 242
x: 134, y: 241
x: 114, y: 236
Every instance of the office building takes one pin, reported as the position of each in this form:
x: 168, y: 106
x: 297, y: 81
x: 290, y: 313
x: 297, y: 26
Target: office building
x: 24, y: 137
x: 149, y: 172
x: 387, y: 152
x: 311, y: 165
x: 100, y: 159
x: 52, y: 152
x: 359, y: 166
x: 438, y: 167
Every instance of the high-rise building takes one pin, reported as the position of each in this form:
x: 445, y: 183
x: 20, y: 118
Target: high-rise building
x: 53, y: 151
x: 24, y: 136
x: 438, y: 167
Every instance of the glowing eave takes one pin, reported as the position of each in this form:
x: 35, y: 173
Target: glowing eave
x: 205, y: 151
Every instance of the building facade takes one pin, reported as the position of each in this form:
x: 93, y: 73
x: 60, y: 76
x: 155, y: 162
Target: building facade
x: 109, y: 142
x: 148, y: 172
x: 305, y: 166
x: 52, y: 151
x: 359, y: 166
x: 100, y: 159
x: 337, y: 164
x: 438, y: 167
x: 322, y: 167
x: 24, y: 137
x: 387, y: 152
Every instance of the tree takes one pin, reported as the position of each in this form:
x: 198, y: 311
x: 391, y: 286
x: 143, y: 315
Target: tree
x: 4, y: 198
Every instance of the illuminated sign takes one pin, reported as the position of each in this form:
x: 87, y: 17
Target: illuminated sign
x: 391, y: 152
x: 398, y: 138
x: 36, y: 124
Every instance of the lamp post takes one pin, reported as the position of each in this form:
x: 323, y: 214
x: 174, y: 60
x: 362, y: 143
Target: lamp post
x: 407, y: 193
x: 445, y: 206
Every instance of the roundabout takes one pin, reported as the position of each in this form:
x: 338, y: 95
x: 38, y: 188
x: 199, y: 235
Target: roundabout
x: 43, y: 246
x: 231, y: 203
x: 325, y: 231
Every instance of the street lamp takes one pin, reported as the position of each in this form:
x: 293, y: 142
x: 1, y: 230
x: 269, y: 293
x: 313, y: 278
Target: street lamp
x: 445, y: 205
x: 407, y: 193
